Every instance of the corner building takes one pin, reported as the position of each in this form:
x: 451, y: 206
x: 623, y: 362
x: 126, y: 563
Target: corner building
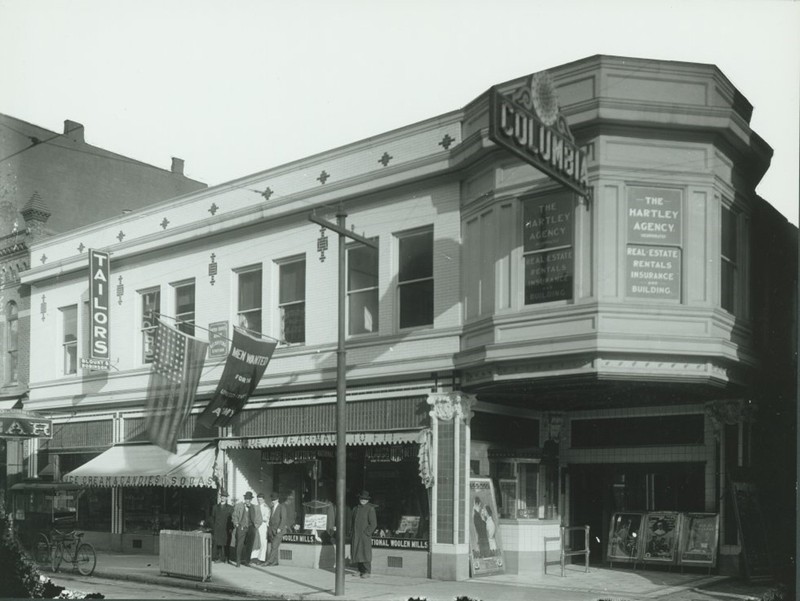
x: 618, y: 353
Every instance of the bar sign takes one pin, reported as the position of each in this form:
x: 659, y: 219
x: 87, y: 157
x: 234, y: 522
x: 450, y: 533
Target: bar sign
x: 99, y: 277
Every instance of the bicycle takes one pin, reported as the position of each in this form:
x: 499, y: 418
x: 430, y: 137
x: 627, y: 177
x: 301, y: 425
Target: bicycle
x: 67, y: 547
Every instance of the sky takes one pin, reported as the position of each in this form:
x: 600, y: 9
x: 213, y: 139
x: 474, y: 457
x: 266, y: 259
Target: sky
x: 237, y: 87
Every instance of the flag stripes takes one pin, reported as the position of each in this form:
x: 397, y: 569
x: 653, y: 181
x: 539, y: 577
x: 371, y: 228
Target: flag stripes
x: 177, y: 365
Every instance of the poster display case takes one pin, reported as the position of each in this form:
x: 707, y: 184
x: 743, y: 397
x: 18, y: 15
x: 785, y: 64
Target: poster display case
x: 624, y: 536
x: 661, y: 531
x: 698, y: 541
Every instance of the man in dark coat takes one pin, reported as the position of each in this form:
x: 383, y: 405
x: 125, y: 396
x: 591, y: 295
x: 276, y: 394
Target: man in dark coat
x: 363, y: 525
x: 221, y: 527
x: 279, y: 525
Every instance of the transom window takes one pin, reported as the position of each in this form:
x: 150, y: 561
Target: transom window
x: 415, y: 279
x: 249, y: 304
x: 292, y: 300
x: 362, y: 289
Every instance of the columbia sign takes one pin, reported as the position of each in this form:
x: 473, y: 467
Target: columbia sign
x: 518, y: 129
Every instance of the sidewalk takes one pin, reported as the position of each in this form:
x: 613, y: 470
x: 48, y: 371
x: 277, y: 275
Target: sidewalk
x: 286, y: 582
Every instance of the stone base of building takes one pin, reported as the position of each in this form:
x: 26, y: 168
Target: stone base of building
x: 449, y: 565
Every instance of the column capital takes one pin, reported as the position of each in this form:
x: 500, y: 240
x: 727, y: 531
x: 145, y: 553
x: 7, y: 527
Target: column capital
x: 449, y: 405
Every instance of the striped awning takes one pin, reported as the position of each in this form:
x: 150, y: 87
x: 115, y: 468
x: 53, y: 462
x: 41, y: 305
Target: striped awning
x: 324, y: 439
x: 149, y: 465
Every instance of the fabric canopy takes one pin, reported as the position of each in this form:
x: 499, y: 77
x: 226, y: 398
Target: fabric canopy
x: 325, y: 439
x: 149, y: 465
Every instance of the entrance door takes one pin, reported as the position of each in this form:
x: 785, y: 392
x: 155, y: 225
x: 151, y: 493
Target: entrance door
x: 598, y: 491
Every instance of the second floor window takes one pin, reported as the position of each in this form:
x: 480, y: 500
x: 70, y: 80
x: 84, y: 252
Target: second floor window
x: 249, y: 305
x: 292, y: 301
x: 728, y: 260
x: 415, y: 279
x: 151, y: 311
x: 69, y: 341
x: 184, y: 308
x: 12, y: 343
x: 362, y: 289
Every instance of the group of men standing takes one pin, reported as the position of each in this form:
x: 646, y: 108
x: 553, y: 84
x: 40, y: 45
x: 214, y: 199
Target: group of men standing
x: 253, y: 530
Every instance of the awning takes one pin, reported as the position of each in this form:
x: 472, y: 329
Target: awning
x: 325, y: 439
x: 149, y: 465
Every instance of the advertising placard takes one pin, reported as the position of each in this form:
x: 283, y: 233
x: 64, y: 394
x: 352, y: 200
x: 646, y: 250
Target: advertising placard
x: 547, y: 222
x: 409, y: 525
x: 217, y: 339
x: 654, y: 216
x: 99, y: 276
x: 661, y: 531
x: 486, y: 552
x: 548, y: 276
x: 653, y: 272
x: 19, y: 424
x: 699, y: 538
x: 624, y: 536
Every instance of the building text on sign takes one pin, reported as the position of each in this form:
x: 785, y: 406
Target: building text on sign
x: 653, y: 271
x: 654, y: 216
x: 99, y: 276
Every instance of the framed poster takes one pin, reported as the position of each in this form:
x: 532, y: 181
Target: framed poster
x: 661, y: 531
x: 486, y: 552
x: 624, y: 536
x: 699, y: 538
x: 409, y: 525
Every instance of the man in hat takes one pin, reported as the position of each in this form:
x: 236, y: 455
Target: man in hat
x: 245, y: 520
x: 279, y: 525
x: 221, y: 527
x: 363, y: 525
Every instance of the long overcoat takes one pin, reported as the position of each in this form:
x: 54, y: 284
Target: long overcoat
x: 221, y: 523
x: 364, y: 523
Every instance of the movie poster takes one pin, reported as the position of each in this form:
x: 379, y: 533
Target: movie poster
x: 486, y: 551
x: 661, y: 537
x: 624, y: 536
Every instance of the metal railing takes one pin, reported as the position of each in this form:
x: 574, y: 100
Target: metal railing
x: 564, y: 551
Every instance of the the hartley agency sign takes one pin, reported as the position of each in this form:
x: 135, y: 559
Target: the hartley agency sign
x: 99, y: 278
x: 530, y: 126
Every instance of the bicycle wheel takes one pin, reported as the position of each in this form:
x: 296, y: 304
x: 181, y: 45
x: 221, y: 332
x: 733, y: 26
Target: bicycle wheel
x: 85, y: 559
x: 56, y: 551
x: 41, y: 549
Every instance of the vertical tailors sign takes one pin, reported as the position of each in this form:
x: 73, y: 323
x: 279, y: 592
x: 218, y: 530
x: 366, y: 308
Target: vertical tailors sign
x: 99, y: 278
x: 530, y: 125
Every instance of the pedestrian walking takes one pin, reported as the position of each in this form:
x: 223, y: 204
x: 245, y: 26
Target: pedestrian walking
x: 364, y: 523
x: 221, y: 527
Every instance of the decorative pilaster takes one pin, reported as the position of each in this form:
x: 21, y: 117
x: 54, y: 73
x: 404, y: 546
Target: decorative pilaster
x: 450, y: 417
x: 730, y: 412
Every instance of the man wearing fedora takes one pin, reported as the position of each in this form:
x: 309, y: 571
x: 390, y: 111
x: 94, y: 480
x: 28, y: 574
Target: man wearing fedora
x: 364, y: 523
x: 246, y: 520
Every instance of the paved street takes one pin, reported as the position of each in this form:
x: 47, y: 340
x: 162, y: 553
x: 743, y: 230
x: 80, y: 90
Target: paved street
x: 125, y: 589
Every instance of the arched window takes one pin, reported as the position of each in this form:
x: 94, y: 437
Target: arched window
x: 12, y: 343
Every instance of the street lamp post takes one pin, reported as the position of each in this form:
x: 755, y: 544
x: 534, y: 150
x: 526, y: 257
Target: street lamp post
x: 341, y: 383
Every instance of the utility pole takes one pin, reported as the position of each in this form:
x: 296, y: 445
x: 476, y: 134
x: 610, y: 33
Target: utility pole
x: 341, y: 381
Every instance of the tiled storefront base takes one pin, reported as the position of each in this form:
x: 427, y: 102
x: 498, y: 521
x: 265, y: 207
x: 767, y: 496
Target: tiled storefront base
x: 449, y: 562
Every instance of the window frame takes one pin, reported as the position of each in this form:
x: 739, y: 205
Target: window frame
x: 69, y: 348
x: 11, y: 358
x: 414, y: 282
x: 245, y: 271
x: 728, y: 298
x: 187, y: 326
x: 281, y: 305
x: 356, y: 292
x: 145, y: 330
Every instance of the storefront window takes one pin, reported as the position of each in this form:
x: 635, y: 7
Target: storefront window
x: 525, y: 488
x: 149, y: 509
x: 307, y: 476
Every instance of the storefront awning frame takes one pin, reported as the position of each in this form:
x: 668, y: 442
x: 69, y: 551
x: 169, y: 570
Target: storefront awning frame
x: 324, y: 439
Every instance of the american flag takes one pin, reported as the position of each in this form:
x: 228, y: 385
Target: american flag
x: 177, y: 364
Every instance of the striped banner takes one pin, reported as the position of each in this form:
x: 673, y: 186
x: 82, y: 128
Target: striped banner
x: 177, y: 365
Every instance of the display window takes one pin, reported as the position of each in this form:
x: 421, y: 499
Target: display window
x: 149, y: 509
x: 525, y: 488
x: 306, y: 480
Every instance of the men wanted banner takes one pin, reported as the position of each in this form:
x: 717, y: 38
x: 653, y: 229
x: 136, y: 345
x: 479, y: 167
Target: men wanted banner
x: 247, y: 360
